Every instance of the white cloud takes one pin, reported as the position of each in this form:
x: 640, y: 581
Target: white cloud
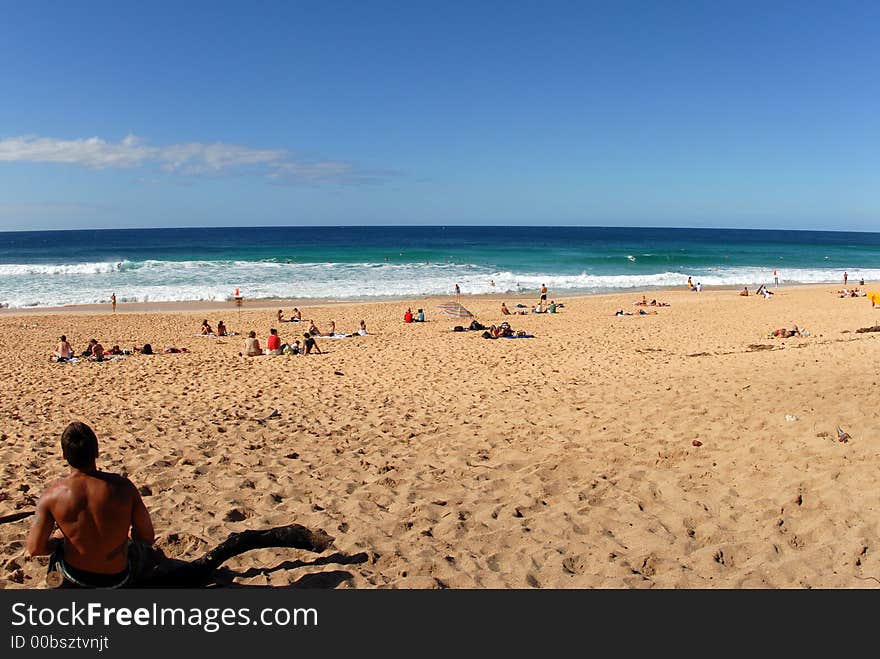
x: 187, y: 159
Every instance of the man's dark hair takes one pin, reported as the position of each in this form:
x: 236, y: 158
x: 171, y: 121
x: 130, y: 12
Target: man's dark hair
x: 79, y: 445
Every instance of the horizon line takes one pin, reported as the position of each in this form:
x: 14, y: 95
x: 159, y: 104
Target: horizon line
x: 436, y: 226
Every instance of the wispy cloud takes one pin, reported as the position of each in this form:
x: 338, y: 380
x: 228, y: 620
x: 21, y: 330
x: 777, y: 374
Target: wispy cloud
x: 184, y: 159
x: 25, y: 210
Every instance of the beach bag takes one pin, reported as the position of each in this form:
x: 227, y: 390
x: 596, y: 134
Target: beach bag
x: 486, y: 335
x: 458, y: 328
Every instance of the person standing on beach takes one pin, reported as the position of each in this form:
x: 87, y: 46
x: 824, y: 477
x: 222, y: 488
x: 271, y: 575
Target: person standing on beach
x: 845, y: 277
x: 775, y: 278
x: 95, y: 513
x: 543, y: 300
x: 457, y: 292
x: 113, y: 302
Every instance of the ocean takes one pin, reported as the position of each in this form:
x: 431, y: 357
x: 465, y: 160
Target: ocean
x: 54, y: 268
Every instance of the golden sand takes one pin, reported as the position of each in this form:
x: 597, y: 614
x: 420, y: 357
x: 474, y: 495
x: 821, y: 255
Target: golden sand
x: 566, y: 461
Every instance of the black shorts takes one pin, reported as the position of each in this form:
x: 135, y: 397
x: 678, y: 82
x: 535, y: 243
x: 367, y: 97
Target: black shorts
x: 543, y: 296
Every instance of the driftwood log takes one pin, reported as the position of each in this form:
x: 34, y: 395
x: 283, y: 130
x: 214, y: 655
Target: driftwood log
x: 155, y: 570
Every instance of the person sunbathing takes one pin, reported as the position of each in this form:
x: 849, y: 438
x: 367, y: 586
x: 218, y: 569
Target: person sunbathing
x: 642, y: 303
x: 206, y: 328
x: 96, y: 517
x: 621, y: 312
x: 221, y: 329
x: 170, y: 350
x: 115, y: 350
x: 642, y: 312
x: 63, y: 351
x: 784, y: 333
x: 504, y: 310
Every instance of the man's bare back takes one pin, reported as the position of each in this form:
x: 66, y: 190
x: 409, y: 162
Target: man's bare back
x: 94, y: 511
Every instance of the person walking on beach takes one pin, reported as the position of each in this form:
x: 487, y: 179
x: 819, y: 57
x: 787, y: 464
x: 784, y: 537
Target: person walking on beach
x: 113, y: 302
x: 98, y: 515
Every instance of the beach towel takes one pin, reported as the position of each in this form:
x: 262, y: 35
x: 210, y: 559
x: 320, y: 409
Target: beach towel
x: 522, y: 336
x: 216, y: 336
x: 338, y: 335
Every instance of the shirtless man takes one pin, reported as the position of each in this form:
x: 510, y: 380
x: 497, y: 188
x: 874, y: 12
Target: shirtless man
x: 94, y: 512
x: 63, y: 351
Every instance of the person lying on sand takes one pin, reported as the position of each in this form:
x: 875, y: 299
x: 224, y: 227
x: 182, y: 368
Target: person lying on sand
x: 621, y: 312
x: 170, y: 350
x: 310, y: 344
x: 654, y: 303
x: 642, y: 312
x: 146, y: 350
x: 63, y: 351
x: 642, y: 303
x: 206, y: 328
x: 252, y: 345
x: 99, y: 516
x: 784, y: 333
x: 115, y: 350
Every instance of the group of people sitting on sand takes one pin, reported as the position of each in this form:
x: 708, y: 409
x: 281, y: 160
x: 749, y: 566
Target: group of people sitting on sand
x: 855, y: 292
x: 274, y: 346
x: 333, y: 333
x: 653, y: 303
x: 95, y: 352
x: 207, y: 330
x: 520, y: 310
x: 417, y: 317
x: 295, y: 317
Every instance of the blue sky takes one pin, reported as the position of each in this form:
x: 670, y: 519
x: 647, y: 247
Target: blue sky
x: 726, y: 114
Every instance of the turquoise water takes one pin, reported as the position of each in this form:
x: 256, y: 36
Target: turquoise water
x: 83, y: 267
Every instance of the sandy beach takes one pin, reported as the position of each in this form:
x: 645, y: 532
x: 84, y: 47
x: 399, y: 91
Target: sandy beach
x: 679, y: 450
